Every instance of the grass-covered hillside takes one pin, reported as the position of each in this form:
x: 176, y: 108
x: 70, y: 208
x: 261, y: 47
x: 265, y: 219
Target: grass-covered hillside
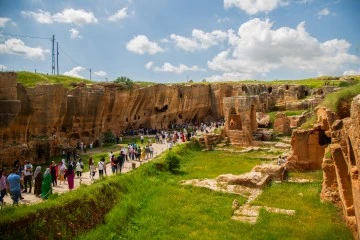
x: 29, y: 79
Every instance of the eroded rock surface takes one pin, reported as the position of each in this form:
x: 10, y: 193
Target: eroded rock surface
x: 247, y: 185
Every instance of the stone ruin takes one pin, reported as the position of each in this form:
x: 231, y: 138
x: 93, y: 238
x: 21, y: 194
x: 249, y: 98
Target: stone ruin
x: 240, y: 119
x: 248, y: 185
x: 333, y: 146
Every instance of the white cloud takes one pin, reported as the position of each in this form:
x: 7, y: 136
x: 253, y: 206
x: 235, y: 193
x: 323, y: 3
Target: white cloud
x: 4, y: 21
x: 40, y: 16
x: 141, y: 45
x: 352, y: 72
x: 255, y: 6
x: 258, y: 49
x: 121, y: 14
x: 221, y: 20
x: 199, y: 40
x: 323, y: 12
x: 74, y: 33
x: 68, y: 15
x: 100, y: 73
x: 304, y: 1
x: 75, y: 72
x: 17, y: 47
x: 149, y: 65
x: 167, y: 67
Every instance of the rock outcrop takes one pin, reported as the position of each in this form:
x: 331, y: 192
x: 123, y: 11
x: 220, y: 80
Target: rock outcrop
x: 282, y: 123
x: 38, y: 122
x: 333, y: 145
x: 341, y: 172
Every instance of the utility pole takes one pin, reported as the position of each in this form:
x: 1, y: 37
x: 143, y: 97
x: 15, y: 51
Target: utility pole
x: 57, y: 57
x: 90, y: 74
x: 53, y: 56
x: 35, y: 70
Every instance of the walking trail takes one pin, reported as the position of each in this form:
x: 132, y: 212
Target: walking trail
x: 30, y: 198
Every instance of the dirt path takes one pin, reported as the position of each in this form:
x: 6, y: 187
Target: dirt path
x: 30, y: 198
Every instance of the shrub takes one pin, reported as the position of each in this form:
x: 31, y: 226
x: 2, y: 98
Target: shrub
x: 109, y: 137
x: 172, y: 162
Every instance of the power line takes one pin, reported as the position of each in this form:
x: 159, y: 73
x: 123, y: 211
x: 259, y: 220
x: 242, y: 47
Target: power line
x: 24, y: 36
x: 70, y: 57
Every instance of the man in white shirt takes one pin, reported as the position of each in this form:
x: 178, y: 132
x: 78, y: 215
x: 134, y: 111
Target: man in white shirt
x: 27, y: 176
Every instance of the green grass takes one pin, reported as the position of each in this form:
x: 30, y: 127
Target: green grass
x: 316, y: 176
x: 156, y: 206
x: 29, y: 79
x: 309, y: 123
x: 313, y: 219
x: 333, y: 100
x: 310, y: 82
x: 287, y: 113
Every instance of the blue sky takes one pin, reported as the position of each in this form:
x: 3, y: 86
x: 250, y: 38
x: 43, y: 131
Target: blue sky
x: 176, y: 40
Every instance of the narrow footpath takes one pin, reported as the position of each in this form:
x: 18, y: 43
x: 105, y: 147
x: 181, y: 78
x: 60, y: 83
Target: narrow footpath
x: 30, y: 198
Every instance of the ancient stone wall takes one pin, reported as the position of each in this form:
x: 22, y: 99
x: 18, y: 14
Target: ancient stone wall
x: 240, y: 118
x: 334, y: 145
x: 341, y: 171
x: 307, y: 153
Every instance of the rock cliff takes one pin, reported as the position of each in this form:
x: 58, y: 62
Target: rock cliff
x: 333, y: 145
x: 38, y: 122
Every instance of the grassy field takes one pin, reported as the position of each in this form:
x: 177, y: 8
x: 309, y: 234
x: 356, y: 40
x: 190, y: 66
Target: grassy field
x: 156, y: 206
x: 29, y: 79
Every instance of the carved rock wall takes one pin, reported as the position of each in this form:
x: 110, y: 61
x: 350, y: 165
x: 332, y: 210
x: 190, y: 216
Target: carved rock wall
x: 36, y: 123
x: 345, y: 157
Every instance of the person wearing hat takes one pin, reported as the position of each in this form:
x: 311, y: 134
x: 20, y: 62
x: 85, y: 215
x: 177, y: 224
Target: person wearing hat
x: 14, y: 182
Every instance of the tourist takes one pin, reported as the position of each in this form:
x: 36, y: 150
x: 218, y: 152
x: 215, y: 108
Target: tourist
x: 92, y: 171
x: 142, y: 139
x: 113, y: 163
x: 120, y: 160
x: 151, y: 150
x: 79, y: 168
x: 38, y: 181
x: 2, y: 186
x: 279, y: 160
x: 28, y: 168
x: 46, y: 189
x: 53, y: 171
x: 101, y: 167
x: 143, y: 154
x: 62, y: 172
x: 14, y: 184
x: 70, y: 176
x: 91, y: 162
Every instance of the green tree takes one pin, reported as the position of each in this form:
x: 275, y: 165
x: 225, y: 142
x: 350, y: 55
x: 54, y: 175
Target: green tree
x: 124, y: 80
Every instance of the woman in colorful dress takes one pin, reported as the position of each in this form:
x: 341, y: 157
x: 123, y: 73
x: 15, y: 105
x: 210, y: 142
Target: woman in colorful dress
x: 70, y: 176
x: 46, y: 189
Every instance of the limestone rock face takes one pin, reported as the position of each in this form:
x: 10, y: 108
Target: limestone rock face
x: 308, y: 153
x: 282, y: 123
x: 341, y: 139
x: 38, y: 122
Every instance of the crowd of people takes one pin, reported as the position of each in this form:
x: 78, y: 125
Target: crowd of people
x: 24, y: 179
